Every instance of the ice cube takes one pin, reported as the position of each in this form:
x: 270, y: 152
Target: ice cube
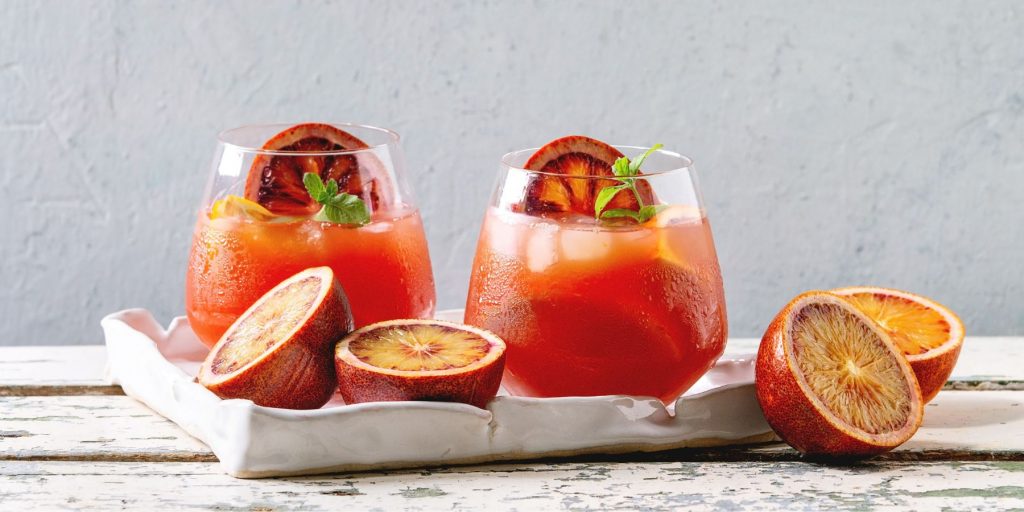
x: 585, y: 244
x: 541, y: 246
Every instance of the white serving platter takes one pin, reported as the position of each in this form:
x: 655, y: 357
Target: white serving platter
x: 157, y: 366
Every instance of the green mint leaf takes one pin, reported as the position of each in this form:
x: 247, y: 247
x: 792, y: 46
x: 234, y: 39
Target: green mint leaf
x: 344, y: 209
x: 315, y: 186
x: 621, y: 167
x: 634, y: 165
x: 619, y: 213
x: 338, y: 208
x: 649, y: 211
x: 605, y: 196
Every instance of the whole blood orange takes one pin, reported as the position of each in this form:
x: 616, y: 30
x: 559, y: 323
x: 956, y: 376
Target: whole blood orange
x: 928, y: 333
x: 831, y: 382
x: 565, y: 181
x: 420, y: 360
x: 278, y: 353
x: 275, y: 179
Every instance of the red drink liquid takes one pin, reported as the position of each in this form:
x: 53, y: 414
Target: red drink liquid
x: 596, y: 310
x: 383, y: 266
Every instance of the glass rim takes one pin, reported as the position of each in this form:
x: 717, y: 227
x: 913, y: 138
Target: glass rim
x: 685, y: 161
x: 392, y: 136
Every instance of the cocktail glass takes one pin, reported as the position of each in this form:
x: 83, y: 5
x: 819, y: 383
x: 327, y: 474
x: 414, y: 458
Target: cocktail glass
x: 257, y: 225
x: 600, y: 307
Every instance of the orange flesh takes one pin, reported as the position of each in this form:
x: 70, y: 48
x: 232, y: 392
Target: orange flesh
x: 269, y: 324
x: 848, y: 368
x: 557, y: 194
x: 419, y: 347
x: 915, y: 328
x: 571, y: 163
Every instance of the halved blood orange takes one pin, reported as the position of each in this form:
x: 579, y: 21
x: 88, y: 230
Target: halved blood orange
x: 831, y: 382
x: 420, y: 360
x: 275, y: 180
x: 278, y: 353
x: 928, y: 333
x: 569, y: 165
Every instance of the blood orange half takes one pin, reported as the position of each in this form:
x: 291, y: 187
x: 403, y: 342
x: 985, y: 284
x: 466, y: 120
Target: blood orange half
x: 928, y: 333
x: 278, y: 353
x: 831, y: 382
x: 420, y: 360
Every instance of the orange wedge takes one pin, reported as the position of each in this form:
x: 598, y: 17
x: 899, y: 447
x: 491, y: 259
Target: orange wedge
x: 237, y: 206
x: 928, y: 333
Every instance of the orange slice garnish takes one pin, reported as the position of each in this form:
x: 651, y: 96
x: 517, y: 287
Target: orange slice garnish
x: 275, y: 180
x: 567, y: 185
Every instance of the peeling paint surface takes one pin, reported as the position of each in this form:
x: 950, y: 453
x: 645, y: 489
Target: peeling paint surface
x: 866, y: 143
x: 622, y: 486
x: 74, y: 451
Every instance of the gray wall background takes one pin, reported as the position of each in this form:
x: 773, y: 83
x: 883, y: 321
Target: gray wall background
x: 838, y: 143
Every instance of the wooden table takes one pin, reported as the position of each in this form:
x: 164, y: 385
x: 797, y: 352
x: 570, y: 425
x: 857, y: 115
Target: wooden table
x: 70, y: 441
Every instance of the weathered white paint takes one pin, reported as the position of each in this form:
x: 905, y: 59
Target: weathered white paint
x: 857, y: 143
x: 91, y: 427
x: 53, y: 366
x: 118, y: 454
x: 957, y: 424
x: 785, y: 486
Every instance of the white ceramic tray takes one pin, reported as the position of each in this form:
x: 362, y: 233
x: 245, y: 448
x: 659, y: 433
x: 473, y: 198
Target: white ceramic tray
x: 158, y: 366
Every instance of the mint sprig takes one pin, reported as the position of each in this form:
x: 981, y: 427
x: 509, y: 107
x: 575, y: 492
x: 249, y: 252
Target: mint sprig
x: 626, y: 171
x: 338, y: 208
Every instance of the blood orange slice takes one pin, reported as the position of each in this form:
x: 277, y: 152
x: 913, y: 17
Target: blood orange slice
x: 420, y: 360
x: 275, y: 180
x: 569, y: 165
x: 928, y: 333
x: 831, y: 382
x: 278, y: 353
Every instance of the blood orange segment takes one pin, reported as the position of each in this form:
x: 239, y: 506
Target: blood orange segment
x: 569, y: 165
x: 275, y: 180
x: 831, y: 382
x: 926, y: 332
x: 420, y: 360
x: 278, y: 353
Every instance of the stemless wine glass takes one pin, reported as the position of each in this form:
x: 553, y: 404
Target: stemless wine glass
x: 258, y: 224
x: 597, y: 307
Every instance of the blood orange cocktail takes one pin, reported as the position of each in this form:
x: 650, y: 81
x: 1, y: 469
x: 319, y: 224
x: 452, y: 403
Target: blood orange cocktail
x: 383, y: 266
x: 310, y: 195
x: 595, y: 307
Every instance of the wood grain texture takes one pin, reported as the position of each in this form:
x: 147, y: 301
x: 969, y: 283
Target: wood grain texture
x: 575, y: 486
x: 41, y: 367
x: 91, y: 428
x: 959, y: 425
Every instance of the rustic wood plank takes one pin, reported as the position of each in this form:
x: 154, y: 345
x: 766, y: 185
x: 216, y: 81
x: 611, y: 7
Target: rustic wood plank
x: 959, y: 425
x: 985, y: 363
x: 91, y: 428
x: 578, y: 486
x: 26, y: 371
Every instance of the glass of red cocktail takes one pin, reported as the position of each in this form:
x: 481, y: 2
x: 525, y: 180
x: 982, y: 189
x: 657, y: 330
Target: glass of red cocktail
x: 283, y: 198
x: 599, y: 272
